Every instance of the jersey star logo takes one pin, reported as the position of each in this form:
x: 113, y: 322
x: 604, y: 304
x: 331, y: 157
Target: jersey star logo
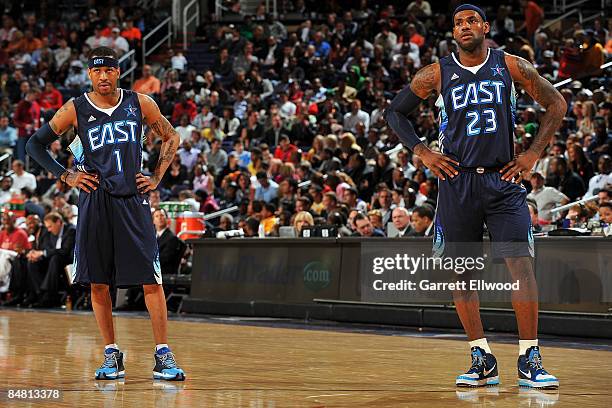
x: 497, y: 70
x: 131, y: 110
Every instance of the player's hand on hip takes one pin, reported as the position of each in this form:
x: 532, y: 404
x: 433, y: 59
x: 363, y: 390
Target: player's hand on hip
x: 439, y: 164
x: 520, y: 167
x: 145, y: 183
x: 87, y: 182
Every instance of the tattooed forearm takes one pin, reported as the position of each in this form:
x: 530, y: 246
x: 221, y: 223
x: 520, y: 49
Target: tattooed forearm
x: 426, y: 80
x: 163, y: 128
x: 170, y: 143
x: 544, y: 93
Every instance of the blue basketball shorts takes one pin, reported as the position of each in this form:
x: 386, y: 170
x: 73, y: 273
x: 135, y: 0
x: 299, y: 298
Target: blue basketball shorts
x: 115, y: 241
x: 470, y: 201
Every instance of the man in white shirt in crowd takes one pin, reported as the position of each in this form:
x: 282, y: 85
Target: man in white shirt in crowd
x: 118, y: 43
x: 97, y: 40
x: 287, y: 108
x: 356, y: 115
x: 185, y: 128
x: 546, y: 197
x: 22, y: 178
x: 598, y: 182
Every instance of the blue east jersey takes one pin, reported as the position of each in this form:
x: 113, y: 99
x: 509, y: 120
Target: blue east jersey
x: 477, y: 108
x: 109, y: 142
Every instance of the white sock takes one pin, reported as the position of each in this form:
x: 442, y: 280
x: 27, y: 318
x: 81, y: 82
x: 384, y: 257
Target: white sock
x: 525, y: 344
x: 482, y: 343
x: 114, y: 346
x: 160, y: 346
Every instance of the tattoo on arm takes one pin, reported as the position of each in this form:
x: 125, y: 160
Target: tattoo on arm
x: 59, y: 117
x: 425, y: 81
x: 170, y: 143
x: 546, y: 95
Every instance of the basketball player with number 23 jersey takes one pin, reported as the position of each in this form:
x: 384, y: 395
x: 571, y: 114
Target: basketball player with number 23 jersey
x: 480, y: 177
x: 116, y: 242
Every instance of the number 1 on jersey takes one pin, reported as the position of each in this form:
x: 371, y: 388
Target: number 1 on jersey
x: 118, y: 157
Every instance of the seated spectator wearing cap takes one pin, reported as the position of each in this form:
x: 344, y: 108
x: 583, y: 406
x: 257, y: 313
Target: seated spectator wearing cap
x: 118, y: 43
x: 364, y: 227
x: 545, y: 197
x: 285, y: 149
x: 401, y: 221
x: 267, y: 190
x: 603, y: 178
x: 422, y: 222
x: 171, y: 248
x: 148, y: 83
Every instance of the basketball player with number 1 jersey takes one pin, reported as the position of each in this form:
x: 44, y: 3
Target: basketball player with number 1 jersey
x: 480, y: 177
x: 116, y: 242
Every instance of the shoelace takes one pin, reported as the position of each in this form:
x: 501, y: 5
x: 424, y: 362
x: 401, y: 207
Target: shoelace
x: 110, y: 360
x: 477, y: 361
x: 167, y: 360
x: 536, y: 361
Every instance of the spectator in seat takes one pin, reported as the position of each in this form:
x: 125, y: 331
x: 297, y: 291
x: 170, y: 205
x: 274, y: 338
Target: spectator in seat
x: 131, y: 33
x: 267, y: 189
x: 564, y: 179
x: 364, y: 227
x: 422, y: 222
x: 184, y: 107
x: 27, y: 120
x: 8, y: 135
x: 21, y: 178
x: 50, y: 100
x: 148, y: 84
x: 16, y: 240
x: 171, y: 248
x: 285, y: 149
x: 603, y: 177
x: 302, y: 219
x: 118, y: 43
x: 56, y: 255
x: 401, y: 220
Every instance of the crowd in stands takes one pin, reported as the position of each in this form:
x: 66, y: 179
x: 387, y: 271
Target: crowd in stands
x: 287, y: 124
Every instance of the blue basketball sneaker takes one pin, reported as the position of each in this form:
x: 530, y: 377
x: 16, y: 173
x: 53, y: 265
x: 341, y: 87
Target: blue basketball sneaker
x: 165, y: 366
x: 112, y: 368
x: 482, y: 372
x: 531, y: 373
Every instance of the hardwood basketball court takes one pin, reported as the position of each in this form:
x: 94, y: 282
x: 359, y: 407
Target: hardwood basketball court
x: 237, y: 365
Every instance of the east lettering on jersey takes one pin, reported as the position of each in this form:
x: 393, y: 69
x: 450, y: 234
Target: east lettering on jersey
x: 109, y: 142
x: 477, y: 111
